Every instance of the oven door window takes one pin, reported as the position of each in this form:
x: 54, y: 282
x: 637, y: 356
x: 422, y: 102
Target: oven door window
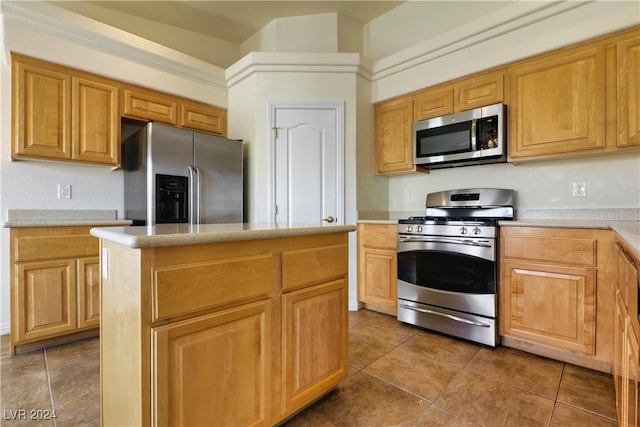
x: 447, y: 271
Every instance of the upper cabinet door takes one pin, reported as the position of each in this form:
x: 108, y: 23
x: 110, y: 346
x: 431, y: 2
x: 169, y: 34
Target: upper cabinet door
x: 149, y: 105
x: 482, y: 90
x: 96, y: 120
x: 628, y: 54
x: 394, y: 136
x: 41, y: 111
x: 557, y: 104
x: 207, y: 118
x: 431, y: 103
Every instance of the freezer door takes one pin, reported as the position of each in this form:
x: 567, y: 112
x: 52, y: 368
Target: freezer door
x: 218, y: 163
x: 170, y: 154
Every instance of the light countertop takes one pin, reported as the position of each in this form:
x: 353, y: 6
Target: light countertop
x: 19, y: 218
x: 625, y: 222
x: 165, y: 235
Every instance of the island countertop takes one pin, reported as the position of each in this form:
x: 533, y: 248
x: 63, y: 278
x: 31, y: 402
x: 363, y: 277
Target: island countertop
x: 166, y: 235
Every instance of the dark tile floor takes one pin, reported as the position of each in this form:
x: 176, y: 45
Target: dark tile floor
x: 399, y: 376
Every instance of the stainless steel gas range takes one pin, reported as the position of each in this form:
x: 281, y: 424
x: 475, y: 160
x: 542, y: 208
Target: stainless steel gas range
x: 448, y: 263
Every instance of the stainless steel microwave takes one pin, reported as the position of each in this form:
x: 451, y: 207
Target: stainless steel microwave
x: 466, y: 138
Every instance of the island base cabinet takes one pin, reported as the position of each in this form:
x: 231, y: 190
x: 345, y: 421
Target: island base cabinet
x: 227, y: 349
x: 315, y: 342
x: 222, y: 334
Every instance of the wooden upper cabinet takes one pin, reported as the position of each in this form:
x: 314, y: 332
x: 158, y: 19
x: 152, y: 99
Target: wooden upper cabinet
x: 479, y: 91
x: 198, y: 116
x: 394, y: 136
x: 149, y: 105
x: 431, y: 103
x: 628, y: 91
x: 63, y: 114
x: 96, y: 121
x: 557, y: 104
x: 41, y: 110
x: 146, y: 104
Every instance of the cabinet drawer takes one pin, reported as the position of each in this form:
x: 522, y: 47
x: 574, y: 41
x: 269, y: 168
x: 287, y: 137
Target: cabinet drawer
x: 306, y: 267
x: 59, y: 244
x: 381, y: 236
x: 566, y: 246
x: 187, y: 288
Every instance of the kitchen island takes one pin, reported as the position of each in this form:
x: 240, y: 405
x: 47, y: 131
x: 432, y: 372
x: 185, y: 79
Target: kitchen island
x: 226, y: 324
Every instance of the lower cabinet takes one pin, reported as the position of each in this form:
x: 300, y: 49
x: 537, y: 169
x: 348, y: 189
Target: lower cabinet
x: 228, y: 334
x: 555, y: 296
x: 203, y: 365
x: 55, y: 285
x: 626, y: 356
x: 378, y: 267
x: 550, y: 304
x: 315, y: 341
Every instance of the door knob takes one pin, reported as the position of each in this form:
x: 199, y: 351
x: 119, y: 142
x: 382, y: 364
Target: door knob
x: 329, y: 219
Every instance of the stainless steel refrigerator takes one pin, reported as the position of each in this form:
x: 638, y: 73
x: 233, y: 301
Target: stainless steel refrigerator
x: 174, y: 175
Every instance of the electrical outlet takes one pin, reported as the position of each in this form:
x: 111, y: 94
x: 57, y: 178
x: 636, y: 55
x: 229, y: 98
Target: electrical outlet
x: 579, y: 189
x: 64, y: 191
x: 410, y: 196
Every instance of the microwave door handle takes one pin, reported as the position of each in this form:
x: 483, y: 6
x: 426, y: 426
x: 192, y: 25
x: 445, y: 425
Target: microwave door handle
x: 473, y: 135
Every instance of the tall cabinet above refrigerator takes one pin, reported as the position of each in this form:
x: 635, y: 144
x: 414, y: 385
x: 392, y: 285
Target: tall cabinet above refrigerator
x: 174, y: 175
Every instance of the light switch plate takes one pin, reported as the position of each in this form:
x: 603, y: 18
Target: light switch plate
x: 579, y: 189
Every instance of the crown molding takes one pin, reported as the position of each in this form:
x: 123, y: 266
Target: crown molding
x: 293, y: 62
x: 101, y: 37
x: 495, y: 25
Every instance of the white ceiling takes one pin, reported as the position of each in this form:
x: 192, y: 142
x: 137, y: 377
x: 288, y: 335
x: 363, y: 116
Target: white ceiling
x: 234, y: 21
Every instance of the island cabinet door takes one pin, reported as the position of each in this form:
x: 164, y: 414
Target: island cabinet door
x: 315, y: 329
x: 212, y: 370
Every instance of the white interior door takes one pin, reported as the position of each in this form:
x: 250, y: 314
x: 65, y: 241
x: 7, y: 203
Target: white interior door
x: 309, y: 164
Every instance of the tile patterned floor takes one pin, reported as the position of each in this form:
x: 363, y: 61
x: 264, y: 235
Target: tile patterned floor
x: 399, y: 376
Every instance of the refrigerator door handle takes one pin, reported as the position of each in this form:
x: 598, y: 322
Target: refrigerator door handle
x: 192, y: 174
x: 198, y: 198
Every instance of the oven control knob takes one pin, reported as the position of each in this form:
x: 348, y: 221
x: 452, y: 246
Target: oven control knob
x: 476, y: 231
x: 409, y: 229
x: 419, y: 229
x: 463, y: 230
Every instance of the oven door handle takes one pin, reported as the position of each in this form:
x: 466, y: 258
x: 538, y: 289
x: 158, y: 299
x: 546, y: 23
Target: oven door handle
x: 453, y: 241
x: 448, y: 316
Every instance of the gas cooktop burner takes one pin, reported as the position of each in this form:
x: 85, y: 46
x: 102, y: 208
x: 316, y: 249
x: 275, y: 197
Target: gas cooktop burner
x: 474, y: 204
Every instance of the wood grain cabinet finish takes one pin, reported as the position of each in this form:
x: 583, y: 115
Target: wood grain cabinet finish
x: 626, y: 356
x: 212, y: 370
x: 628, y: 91
x: 63, y: 114
x: 203, y: 117
x: 434, y: 102
x: 315, y: 342
x: 480, y: 90
x: 555, y: 295
x: 394, y: 136
x: 378, y: 267
x: 54, y: 286
x: 41, y: 110
x: 557, y: 104
x: 146, y: 104
x: 246, y: 342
